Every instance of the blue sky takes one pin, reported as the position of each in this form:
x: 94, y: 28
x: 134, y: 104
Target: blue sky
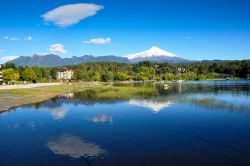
x: 192, y: 29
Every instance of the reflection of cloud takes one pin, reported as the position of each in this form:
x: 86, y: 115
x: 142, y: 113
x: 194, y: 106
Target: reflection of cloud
x: 154, y: 105
x: 102, y: 119
x: 74, y: 147
x: 59, y: 113
x: 32, y: 125
x: 14, y: 126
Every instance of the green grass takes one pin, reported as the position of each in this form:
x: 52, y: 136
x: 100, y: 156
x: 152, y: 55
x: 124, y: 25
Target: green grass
x: 107, y: 93
x: 18, y: 97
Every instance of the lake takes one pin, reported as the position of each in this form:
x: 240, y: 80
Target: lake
x: 190, y: 123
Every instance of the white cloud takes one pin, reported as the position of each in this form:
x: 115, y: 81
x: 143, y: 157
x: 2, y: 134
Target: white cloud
x: 71, y: 14
x: 57, y: 49
x: 29, y: 38
x: 99, y: 41
x: 14, y: 39
x: 4, y: 59
x: 11, y: 38
x: 1, y: 50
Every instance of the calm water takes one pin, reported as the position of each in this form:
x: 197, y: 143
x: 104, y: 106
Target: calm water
x: 193, y: 123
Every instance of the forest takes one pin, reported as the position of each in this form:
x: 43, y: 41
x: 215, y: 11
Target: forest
x: 142, y: 71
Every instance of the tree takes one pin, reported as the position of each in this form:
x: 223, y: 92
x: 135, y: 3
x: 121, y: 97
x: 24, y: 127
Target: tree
x: 38, y: 72
x: 29, y: 74
x: 81, y: 74
x: 46, y: 74
x: 123, y: 76
x: 53, y: 73
x: 108, y: 76
x: 9, y: 65
x: 10, y: 75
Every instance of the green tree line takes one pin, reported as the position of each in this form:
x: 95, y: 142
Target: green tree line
x: 111, y: 71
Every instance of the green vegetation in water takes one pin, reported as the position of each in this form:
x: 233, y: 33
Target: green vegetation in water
x: 115, y: 93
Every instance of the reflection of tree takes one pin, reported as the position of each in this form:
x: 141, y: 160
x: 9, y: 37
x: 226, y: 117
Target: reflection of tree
x: 212, y: 103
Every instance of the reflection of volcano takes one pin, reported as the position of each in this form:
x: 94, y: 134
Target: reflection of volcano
x: 154, y: 105
x: 74, y: 147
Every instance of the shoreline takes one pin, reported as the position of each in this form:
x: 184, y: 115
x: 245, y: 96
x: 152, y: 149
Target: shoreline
x: 30, y: 93
x: 12, y: 98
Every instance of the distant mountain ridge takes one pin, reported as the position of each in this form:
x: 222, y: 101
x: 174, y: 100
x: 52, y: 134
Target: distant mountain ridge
x: 55, y: 60
x: 154, y: 54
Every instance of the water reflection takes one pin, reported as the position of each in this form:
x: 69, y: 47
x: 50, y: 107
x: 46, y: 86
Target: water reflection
x: 102, y: 119
x: 156, y: 99
x: 74, y: 147
x: 152, y: 104
x: 114, y: 127
x: 32, y: 125
x: 59, y: 113
x: 217, y: 104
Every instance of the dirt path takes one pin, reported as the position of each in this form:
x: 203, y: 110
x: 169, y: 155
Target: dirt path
x: 27, y: 86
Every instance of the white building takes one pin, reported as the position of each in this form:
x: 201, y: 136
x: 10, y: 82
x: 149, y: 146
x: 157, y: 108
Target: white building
x: 65, y: 74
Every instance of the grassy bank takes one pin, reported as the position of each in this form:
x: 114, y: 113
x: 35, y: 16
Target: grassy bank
x: 17, y: 97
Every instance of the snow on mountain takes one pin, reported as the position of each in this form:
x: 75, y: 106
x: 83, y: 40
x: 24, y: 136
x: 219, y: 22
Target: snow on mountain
x: 157, y: 55
x: 152, y: 52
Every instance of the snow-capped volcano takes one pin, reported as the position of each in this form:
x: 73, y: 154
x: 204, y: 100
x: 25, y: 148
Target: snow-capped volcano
x: 155, y: 54
x: 152, y: 52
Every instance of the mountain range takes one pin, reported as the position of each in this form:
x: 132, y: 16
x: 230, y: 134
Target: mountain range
x: 153, y: 54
